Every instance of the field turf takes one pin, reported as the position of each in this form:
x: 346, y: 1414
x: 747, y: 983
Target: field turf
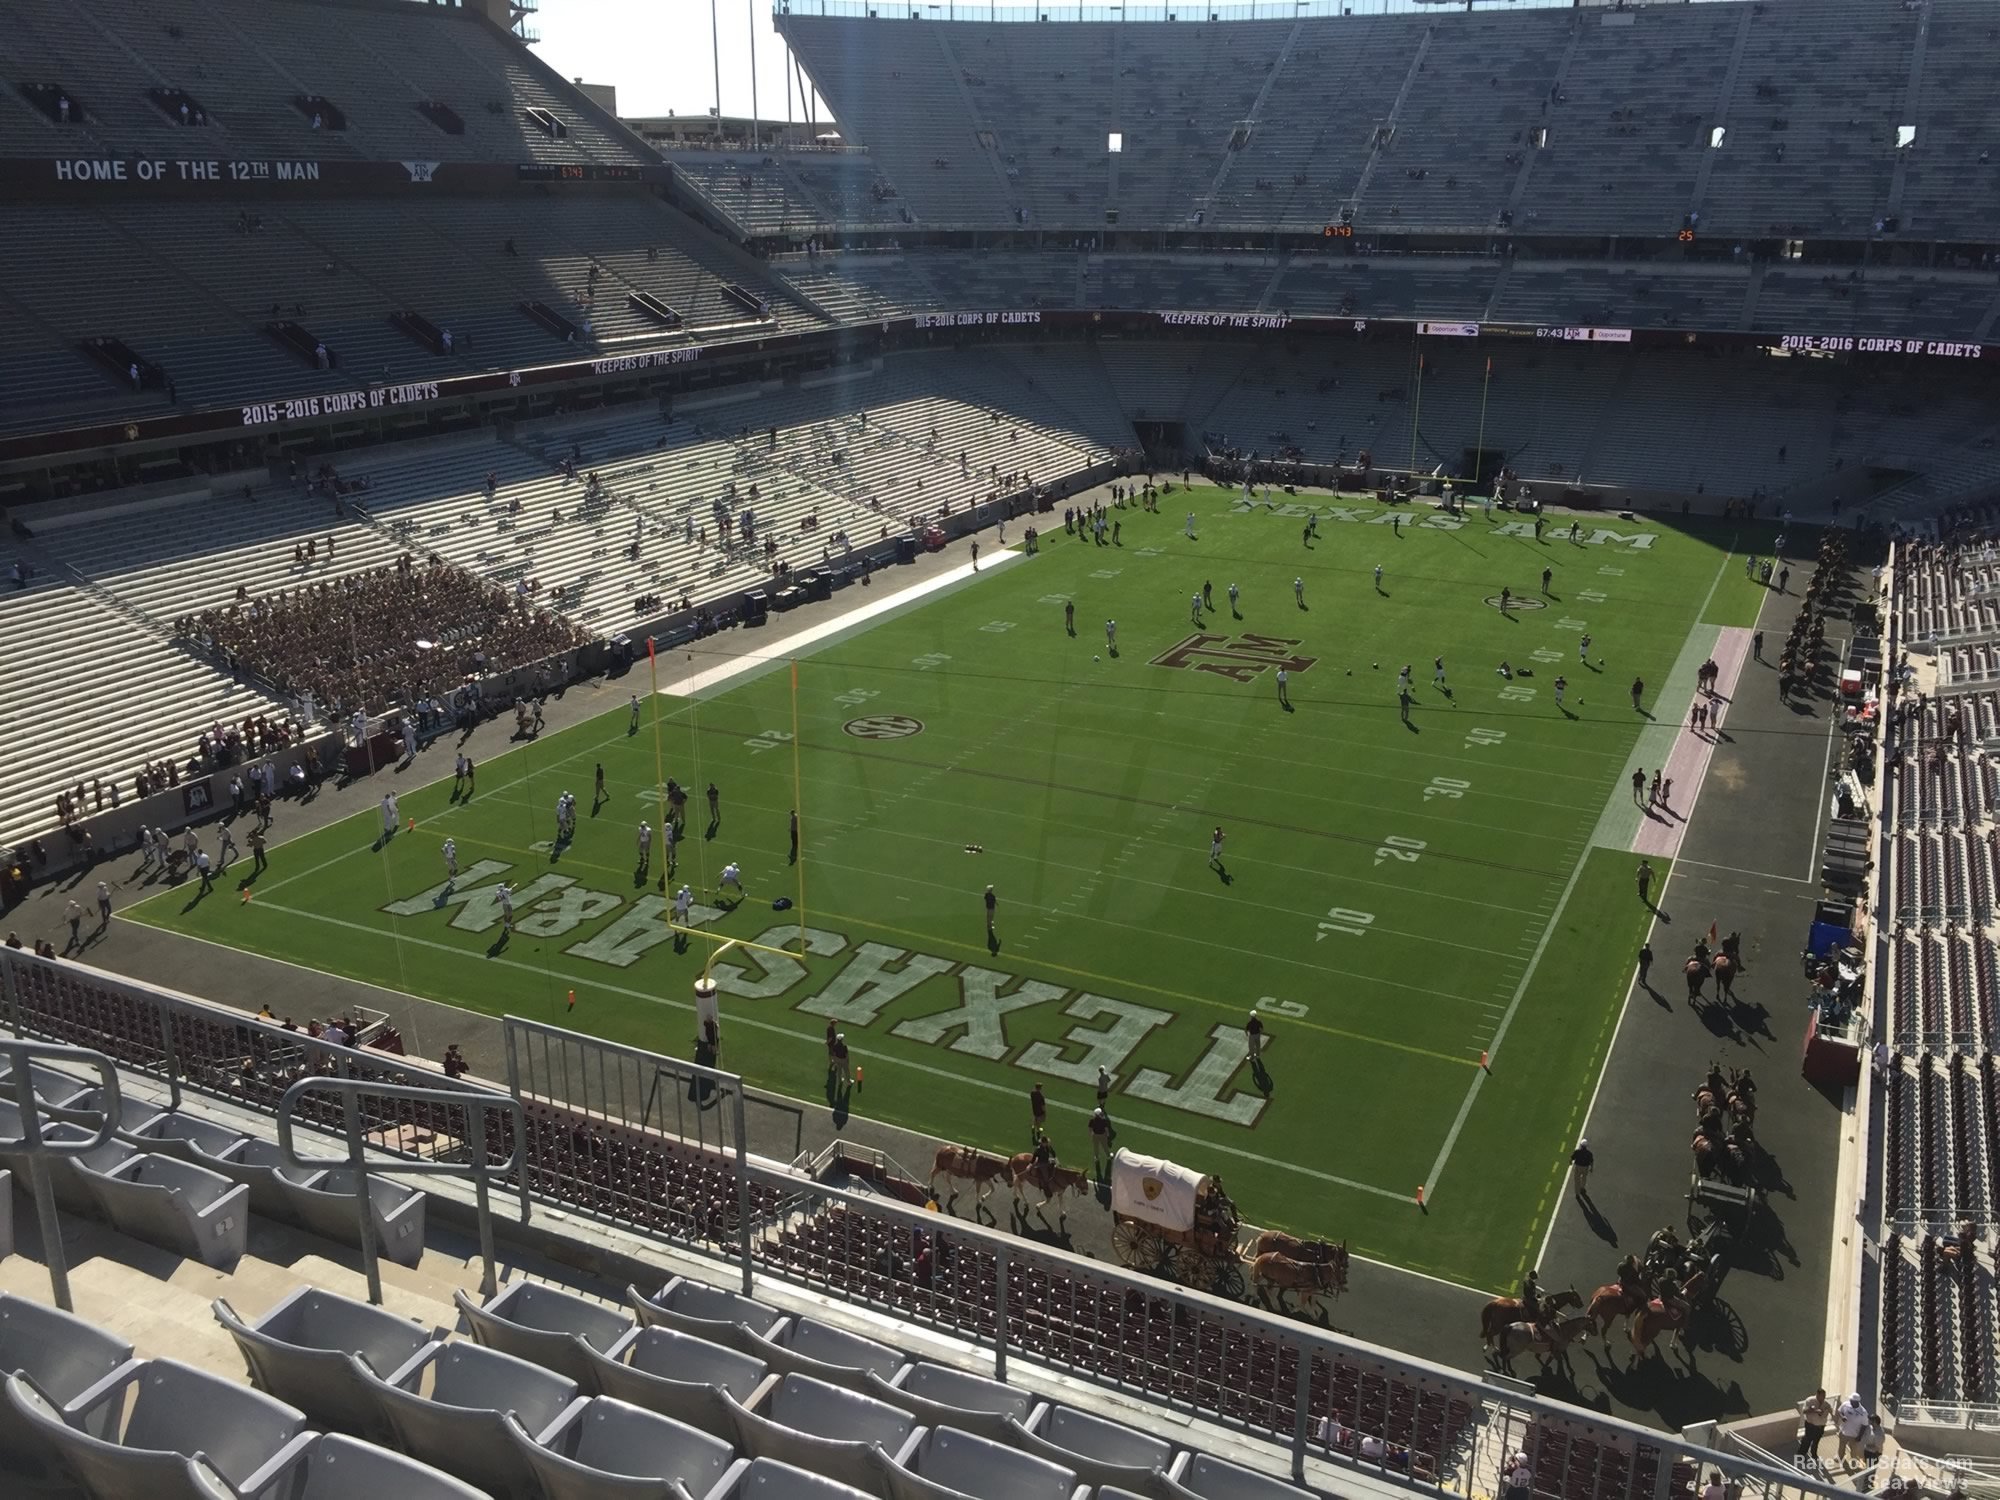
x: 1397, y: 899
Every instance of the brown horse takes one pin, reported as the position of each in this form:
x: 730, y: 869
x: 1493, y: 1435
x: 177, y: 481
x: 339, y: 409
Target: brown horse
x: 1271, y: 1271
x: 1501, y: 1311
x: 1610, y: 1303
x: 1276, y: 1242
x: 1668, y: 1316
x: 963, y: 1164
x: 1053, y: 1180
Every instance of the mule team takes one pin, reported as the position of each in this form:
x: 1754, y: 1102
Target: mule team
x: 1277, y: 1262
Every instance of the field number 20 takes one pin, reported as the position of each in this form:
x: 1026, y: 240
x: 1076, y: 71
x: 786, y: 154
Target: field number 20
x: 1402, y: 849
x: 770, y: 739
x: 1446, y: 786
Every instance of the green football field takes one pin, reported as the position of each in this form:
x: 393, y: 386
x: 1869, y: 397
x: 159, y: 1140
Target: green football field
x: 1397, y: 899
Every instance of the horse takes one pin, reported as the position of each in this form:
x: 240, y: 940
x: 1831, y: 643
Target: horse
x: 1054, y: 1180
x: 963, y: 1164
x: 1650, y: 1321
x: 1276, y: 1242
x: 1501, y: 1311
x: 1668, y: 1315
x: 1307, y: 1278
x: 1724, y: 969
x: 1609, y: 1303
x: 1549, y: 1341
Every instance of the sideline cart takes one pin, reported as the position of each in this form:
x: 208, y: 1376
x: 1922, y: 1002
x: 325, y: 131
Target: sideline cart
x: 1174, y: 1222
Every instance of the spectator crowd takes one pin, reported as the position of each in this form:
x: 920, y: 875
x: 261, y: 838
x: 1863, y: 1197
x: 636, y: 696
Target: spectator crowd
x: 389, y: 635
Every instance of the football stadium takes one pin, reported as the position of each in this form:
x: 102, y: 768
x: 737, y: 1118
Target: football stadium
x: 1214, y: 751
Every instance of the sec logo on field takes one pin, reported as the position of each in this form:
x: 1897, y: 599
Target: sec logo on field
x: 1514, y: 602
x: 883, y: 727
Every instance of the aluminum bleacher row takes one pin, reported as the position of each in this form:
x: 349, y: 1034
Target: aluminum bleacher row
x: 192, y: 293
x: 1940, y: 1021
x: 127, y: 584
x: 246, y: 64
x: 863, y: 1357
x: 1561, y: 121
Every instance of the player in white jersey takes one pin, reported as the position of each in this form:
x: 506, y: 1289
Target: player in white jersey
x: 633, y: 727
x: 1299, y: 591
x: 732, y: 875
x: 645, y: 846
x: 388, y: 813
x: 1378, y: 578
x: 1583, y: 648
x: 1437, y: 672
x: 683, y: 905
x: 504, y: 894
x: 1194, y: 608
x: 1232, y: 598
x: 1111, y: 634
x: 450, y: 853
x: 1403, y: 679
x: 1190, y: 520
x: 1215, y: 846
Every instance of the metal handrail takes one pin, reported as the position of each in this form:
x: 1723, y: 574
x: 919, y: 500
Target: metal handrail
x: 22, y: 1058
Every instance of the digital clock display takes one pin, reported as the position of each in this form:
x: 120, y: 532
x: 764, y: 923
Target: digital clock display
x: 1338, y: 231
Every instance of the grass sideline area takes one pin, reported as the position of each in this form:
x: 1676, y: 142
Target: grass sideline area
x: 1397, y: 899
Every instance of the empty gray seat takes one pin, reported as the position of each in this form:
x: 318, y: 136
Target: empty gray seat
x: 326, y: 1207
x: 174, y: 1204
x: 601, y: 1449
x: 305, y: 1352
x: 446, y: 1406
x: 64, y: 1356
x: 767, y: 1479
x: 810, y: 1347
x: 70, y: 1190
x: 341, y: 1468
x: 183, y: 1428
x: 703, y: 1310
x: 676, y: 1375
x: 552, y: 1328
x: 940, y: 1396
x: 961, y: 1463
x: 826, y: 1429
x: 1100, y: 1451
x: 174, y: 1133
x: 260, y: 1166
x: 1218, y: 1479
x: 51, y: 1085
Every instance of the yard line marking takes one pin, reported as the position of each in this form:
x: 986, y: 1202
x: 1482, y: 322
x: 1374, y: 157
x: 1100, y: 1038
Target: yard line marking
x: 738, y: 1019
x: 1541, y: 947
x: 1702, y: 864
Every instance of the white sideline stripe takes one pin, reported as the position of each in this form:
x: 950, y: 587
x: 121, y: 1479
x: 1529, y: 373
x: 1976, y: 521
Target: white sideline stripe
x: 794, y: 644
x: 695, y: 682
x: 785, y: 1031
x: 1479, y: 1075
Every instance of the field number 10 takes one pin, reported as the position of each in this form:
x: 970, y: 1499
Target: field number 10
x: 1347, y: 923
x: 1405, y: 850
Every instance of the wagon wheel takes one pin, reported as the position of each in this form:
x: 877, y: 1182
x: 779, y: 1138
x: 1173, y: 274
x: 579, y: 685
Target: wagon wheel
x: 1137, y: 1245
x: 1228, y: 1279
x: 1196, y: 1267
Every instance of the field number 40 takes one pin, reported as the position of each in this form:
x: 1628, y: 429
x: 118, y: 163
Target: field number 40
x: 1484, y: 737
